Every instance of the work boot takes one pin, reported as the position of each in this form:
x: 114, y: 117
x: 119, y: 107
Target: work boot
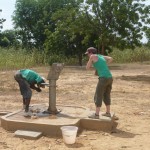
x: 107, y: 114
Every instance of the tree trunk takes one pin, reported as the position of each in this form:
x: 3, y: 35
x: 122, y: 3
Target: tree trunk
x: 103, y: 49
x: 80, y: 59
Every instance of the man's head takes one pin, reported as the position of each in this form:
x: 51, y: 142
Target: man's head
x: 91, y: 50
x: 40, y: 83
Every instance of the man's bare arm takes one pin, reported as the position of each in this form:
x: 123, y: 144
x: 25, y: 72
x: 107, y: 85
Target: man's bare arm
x: 108, y: 59
x: 89, y: 63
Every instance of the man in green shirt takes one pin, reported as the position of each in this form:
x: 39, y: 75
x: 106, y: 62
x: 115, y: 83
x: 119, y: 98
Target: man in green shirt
x: 104, y: 85
x: 27, y: 79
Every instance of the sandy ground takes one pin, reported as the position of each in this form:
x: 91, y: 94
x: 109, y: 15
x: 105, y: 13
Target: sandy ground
x: 76, y: 86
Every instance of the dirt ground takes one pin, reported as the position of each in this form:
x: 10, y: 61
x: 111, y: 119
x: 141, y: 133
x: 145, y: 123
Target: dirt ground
x: 76, y: 86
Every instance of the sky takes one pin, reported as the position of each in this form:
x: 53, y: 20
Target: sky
x: 8, y: 7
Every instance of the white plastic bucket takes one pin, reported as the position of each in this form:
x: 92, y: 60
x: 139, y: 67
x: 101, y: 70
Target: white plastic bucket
x: 69, y: 134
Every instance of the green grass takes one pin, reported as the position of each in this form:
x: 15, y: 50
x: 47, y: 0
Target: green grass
x: 129, y: 56
x: 16, y: 59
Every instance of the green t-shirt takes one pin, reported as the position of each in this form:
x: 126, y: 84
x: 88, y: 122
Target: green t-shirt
x: 31, y: 76
x: 102, y: 67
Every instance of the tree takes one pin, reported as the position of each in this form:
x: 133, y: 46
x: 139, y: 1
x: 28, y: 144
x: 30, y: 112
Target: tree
x: 148, y: 37
x: 9, y: 39
x: 117, y: 23
x: 1, y: 22
x: 33, y: 17
x: 1, y: 26
x: 68, y: 27
x: 25, y: 19
x: 68, y: 36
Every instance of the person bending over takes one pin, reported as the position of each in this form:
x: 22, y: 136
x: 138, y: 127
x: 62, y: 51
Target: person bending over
x: 27, y: 80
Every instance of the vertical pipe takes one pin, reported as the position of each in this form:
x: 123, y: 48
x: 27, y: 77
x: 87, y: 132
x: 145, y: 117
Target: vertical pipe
x: 52, y: 95
x: 52, y: 77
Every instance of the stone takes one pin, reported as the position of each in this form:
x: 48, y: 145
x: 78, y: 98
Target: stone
x: 28, y: 134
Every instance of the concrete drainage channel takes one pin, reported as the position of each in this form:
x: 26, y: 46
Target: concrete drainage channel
x: 48, y: 124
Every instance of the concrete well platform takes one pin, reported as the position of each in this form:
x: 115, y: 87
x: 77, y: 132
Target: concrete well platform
x: 50, y: 125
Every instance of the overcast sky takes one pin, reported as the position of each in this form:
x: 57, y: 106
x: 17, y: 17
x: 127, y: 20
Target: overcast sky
x: 8, y: 6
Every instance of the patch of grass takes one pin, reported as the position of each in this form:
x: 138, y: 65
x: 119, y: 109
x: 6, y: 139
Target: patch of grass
x: 16, y: 59
x: 128, y: 56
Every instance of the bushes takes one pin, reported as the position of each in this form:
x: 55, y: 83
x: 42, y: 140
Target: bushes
x: 16, y: 59
x: 56, y: 59
x: 128, y: 56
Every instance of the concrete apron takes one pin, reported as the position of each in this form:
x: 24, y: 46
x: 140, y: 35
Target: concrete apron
x: 50, y: 124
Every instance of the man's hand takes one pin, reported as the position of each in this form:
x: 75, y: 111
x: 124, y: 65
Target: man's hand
x: 32, y: 86
x: 92, y: 59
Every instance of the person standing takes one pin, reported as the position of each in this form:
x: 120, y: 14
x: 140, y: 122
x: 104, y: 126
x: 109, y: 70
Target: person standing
x: 28, y: 79
x: 105, y: 81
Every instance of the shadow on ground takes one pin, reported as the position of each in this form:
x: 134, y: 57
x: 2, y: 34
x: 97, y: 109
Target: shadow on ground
x: 123, y: 134
x: 144, y: 78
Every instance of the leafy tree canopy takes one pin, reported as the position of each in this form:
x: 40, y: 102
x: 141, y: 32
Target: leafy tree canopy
x: 1, y: 21
x: 69, y: 26
x: 118, y: 23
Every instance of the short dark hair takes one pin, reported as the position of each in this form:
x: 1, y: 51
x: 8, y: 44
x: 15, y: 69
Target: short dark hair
x: 91, y: 50
x: 42, y: 81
